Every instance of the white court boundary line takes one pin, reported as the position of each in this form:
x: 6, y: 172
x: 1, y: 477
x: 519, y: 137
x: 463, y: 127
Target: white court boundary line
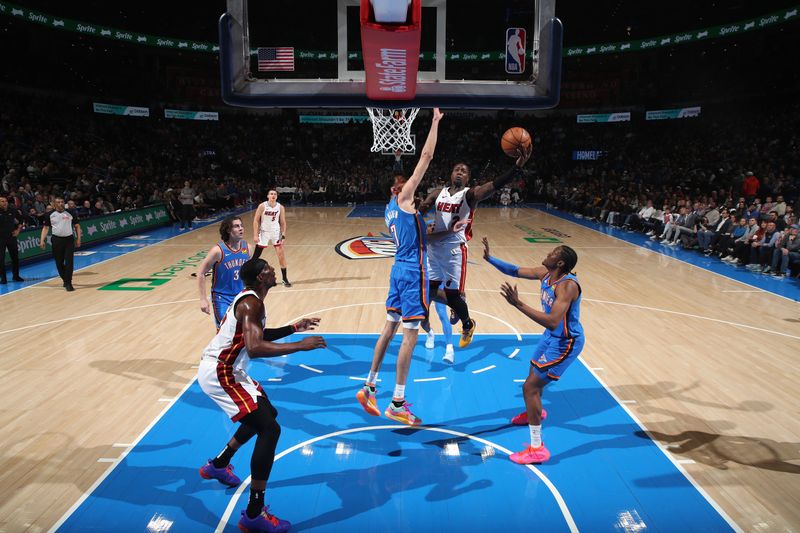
x: 562, y: 505
x: 678, y: 465
x: 118, y: 460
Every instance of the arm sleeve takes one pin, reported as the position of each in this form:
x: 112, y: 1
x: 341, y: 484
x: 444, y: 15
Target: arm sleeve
x: 272, y: 334
x: 506, y: 268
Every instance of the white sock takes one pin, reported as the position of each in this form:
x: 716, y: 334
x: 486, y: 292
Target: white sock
x: 536, y: 435
x: 399, y: 392
x: 372, y: 378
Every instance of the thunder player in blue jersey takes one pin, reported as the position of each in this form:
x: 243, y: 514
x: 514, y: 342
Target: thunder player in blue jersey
x: 561, y: 342
x: 408, y: 284
x: 224, y: 260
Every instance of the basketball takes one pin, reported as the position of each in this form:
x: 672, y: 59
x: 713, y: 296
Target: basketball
x: 515, y: 139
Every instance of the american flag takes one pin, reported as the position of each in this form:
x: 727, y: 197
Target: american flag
x: 276, y: 58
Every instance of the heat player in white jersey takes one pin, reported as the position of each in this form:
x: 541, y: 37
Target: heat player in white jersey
x: 269, y: 227
x: 451, y: 230
x: 223, y: 376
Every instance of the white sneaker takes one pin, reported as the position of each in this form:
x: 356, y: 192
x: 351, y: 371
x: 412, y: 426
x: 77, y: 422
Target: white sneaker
x: 429, y: 340
x: 665, y: 241
x: 449, y: 355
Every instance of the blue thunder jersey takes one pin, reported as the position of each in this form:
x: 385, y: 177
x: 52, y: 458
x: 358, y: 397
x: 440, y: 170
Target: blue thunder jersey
x: 570, y: 327
x: 409, y: 234
x: 225, y: 274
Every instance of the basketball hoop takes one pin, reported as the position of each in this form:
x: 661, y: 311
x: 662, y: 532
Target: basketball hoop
x: 392, y: 128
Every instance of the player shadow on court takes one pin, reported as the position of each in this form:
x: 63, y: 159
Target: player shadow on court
x: 486, y: 349
x: 718, y: 451
x: 414, y: 469
x: 147, y: 369
x: 673, y: 391
x: 171, y: 487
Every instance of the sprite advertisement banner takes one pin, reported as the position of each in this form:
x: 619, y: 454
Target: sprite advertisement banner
x: 95, y: 229
x: 605, y: 117
x: 669, y: 114
x: 37, y: 17
x: 128, y: 110
x: 191, y: 115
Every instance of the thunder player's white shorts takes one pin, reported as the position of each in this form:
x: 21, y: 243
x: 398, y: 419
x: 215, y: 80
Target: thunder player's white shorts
x: 447, y: 263
x: 272, y: 236
x: 231, y: 388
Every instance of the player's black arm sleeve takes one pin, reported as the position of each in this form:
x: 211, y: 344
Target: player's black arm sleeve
x: 273, y: 334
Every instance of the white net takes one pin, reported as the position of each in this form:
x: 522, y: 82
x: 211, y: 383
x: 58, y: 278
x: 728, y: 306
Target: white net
x: 392, y: 128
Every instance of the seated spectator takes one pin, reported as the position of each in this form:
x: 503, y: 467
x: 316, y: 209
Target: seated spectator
x: 786, y: 253
x: 761, y: 249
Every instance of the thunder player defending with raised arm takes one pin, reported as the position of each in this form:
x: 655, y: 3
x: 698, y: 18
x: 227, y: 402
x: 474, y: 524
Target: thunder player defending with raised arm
x: 454, y: 208
x: 269, y: 227
x: 561, y: 342
x: 407, y: 300
x: 224, y: 261
x: 223, y: 377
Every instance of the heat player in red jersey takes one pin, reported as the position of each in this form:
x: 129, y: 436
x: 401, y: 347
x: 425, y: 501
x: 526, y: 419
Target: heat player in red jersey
x: 223, y: 376
x: 454, y: 209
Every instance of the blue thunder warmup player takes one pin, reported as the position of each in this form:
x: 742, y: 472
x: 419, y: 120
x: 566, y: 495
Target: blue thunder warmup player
x: 561, y: 342
x: 224, y: 260
x: 408, y: 284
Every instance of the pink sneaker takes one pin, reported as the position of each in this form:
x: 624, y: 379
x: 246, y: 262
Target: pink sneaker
x: 367, y: 400
x: 522, y: 418
x: 531, y: 455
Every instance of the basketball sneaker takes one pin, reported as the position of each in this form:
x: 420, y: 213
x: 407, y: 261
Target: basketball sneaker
x: 224, y: 475
x: 522, y: 418
x: 449, y: 356
x: 402, y: 414
x: 263, y: 523
x: 429, y: 340
x: 367, y: 400
x: 531, y: 455
x: 466, y: 335
x: 286, y: 283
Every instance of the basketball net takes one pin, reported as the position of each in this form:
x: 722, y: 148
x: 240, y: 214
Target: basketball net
x: 391, y: 128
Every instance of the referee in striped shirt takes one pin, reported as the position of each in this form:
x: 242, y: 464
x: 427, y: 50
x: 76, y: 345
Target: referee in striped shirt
x: 66, y: 237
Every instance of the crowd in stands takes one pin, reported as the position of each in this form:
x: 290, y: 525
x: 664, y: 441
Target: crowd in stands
x: 680, y: 181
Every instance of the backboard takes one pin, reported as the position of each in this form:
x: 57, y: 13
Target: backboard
x: 467, y: 58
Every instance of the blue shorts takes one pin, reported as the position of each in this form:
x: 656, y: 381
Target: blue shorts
x: 408, y: 292
x: 554, y: 354
x: 219, y: 306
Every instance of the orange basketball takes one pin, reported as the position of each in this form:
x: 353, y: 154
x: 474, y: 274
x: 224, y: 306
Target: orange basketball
x: 514, y: 140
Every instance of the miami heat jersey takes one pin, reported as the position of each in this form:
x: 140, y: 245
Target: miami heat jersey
x: 408, y: 231
x: 271, y: 218
x: 570, y: 327
x: 227, y: 346
x: 225, y: 274
x: 450, y: 209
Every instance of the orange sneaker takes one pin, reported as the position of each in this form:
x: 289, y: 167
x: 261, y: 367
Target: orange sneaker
x: 466, y: 335
x: 522, y: 418
x: 402, y: 414
x: 531, y: 455
x: 367, y: 400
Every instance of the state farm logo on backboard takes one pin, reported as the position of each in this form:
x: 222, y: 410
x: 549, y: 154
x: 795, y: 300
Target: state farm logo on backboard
x: 367, y: 247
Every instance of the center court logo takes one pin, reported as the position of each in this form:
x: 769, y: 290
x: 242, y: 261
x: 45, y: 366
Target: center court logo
x: 367, y: 247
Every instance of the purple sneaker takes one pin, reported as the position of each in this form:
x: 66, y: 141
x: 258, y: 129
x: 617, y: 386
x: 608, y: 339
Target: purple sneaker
x: 223, y: 475
x: 263, y: 523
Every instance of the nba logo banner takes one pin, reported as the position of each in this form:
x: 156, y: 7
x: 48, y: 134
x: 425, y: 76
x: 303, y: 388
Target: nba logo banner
x: 515, y: 50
